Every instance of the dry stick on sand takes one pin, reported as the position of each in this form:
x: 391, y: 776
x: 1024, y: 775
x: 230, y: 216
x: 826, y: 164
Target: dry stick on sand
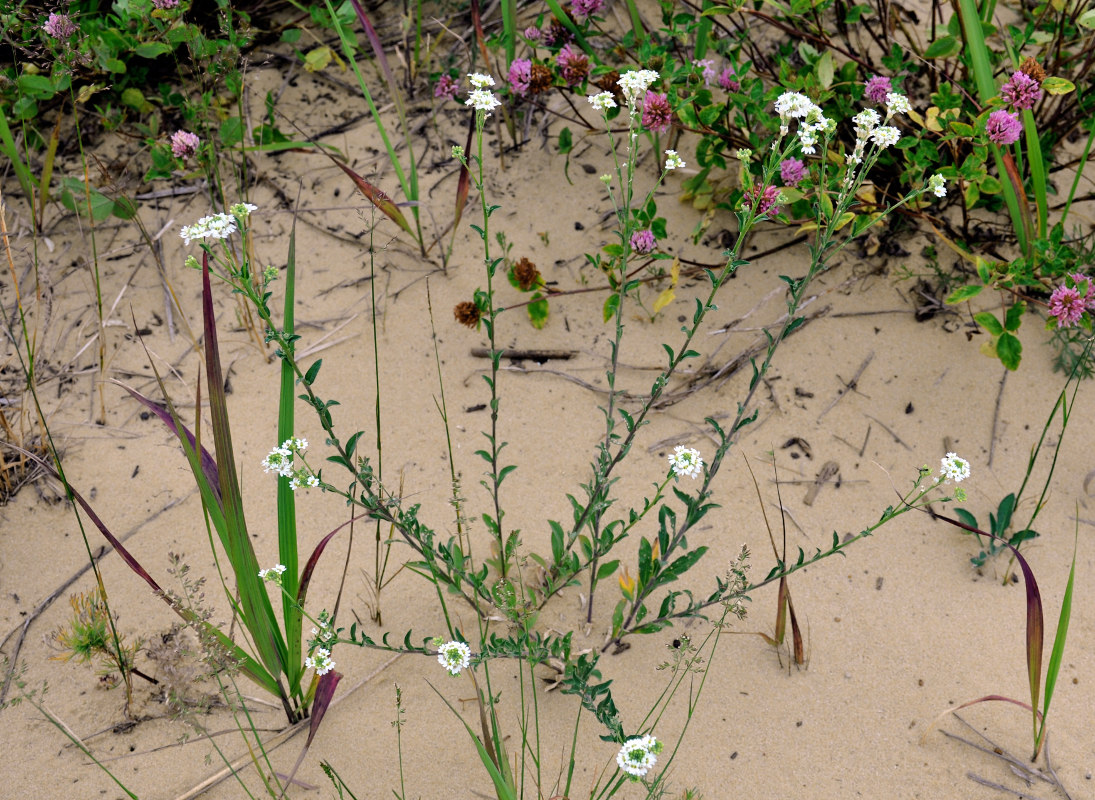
x: 849, y: 386
x: 996, y: 415
x: 279, y: 739
x: 48, y: 601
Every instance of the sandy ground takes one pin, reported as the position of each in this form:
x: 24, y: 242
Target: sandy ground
x: 900, y: 630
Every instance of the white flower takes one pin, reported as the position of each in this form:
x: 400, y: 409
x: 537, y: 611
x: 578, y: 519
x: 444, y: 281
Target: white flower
x: 672, y: 160
x: 639, y: 755
x: 273, y: 575
x: 280, y: 460
x: 954, y: 468
x: 897, y: 104
x: 885, y: 136
x: 454, y: 656
x: 480, y: 81
x: 482, y: 100
x: 243, y: 210
x: 794, y: 104
x: 217, y: 226
x: 602, y: 101
x: 865, y: 122
x: 938, y: 185
x: 295, y: 445
x: 312, y: 481
x: 635, y: 83
x: 320, y: 661
x: 686, y: 462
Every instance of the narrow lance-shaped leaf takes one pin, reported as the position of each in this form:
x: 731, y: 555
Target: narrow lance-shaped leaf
x: 377, y: 198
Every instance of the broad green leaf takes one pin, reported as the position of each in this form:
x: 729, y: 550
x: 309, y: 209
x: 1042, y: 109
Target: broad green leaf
x: 943, y: 47
x: 1010, y: 351
x: 1058, y: 86
x: 989, y: 322
x: 963, y: 294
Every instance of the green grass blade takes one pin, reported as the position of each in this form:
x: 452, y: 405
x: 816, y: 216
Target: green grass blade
x: 568, y: 23
x: 1037, y: 169
x: 703, y: 31
x: 509, y: 28
x: 22, y: 172
x: 257, y: 613
x: 287, y: 508
x: 986, y: 89
x: 1058, y: 651
x: 503, y: 789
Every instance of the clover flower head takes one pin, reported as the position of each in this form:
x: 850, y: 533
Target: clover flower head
x: 59, y: 26
x: 1003, y: 127
x: 766, y: 201
x: 657, y: 114
x: 638, y: 756
x: 685, y: 462
x: 643, y: 242
x: 673, y: 161
x: 520, y: 75
x: 280, y: 460
x: 792, y: 171
x: 482, y: 100
x: 707, y: 69
x: 184, y: 144
x: 878, y: 86
x: 583, y: 9
x: 885, y: 136
x: 897, y: 104
x: 1066, y: 305
x: 937, y: 185
x: 446, y: 86
x: 164, y: 5
x: 573, y: 65
x: 320, y: 661
x: 480, y: 81
x: 533, y: 34
x: 728, y: 80
x: 454, y: 656
x: 273, y: 575
x: 217, y: 226
x: 1021, y: 90
x: 954, y: 468
x: 634, y: 84
x: 602, y: 102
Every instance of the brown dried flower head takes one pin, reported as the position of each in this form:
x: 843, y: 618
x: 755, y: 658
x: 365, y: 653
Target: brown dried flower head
x: 1032, y: 69
x: 609, y: 83
x: 466, y: 313
x: 526, y: 274
x: 540, y: 79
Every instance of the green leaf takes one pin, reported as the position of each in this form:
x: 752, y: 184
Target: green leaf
x: 1014, y: 317
x: 1058, y: 85
x: 1010, y: 351
x: 962, y: 129
x: 612, y: 302
x: 962, y: 294
x: 566, y: 141
x: 152, y: 49
x: 989, y: 322
x: 607, y: 569
x: 825, y: 70
x: 313, y: 371
x: 538, y: 311
x: 943, y: 47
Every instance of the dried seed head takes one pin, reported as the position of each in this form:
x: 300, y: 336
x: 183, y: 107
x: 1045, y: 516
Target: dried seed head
x: 540, y: 79
x: 466, y: 313
x: 526, y: 274
x: 1032, y: 69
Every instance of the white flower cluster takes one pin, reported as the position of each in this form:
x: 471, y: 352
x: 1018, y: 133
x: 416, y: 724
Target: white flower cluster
x: 602, y: 102
x: 937, y: 185
x: 272, y: 575
x: 897, y: 104
x: 280, y: 460
x: 954, y: 468
x: 320, y: 661
x: 454, y: 656
x: 634, y: 85
x: 480, y: 97
x: 217, y: 226
x: 673, y: 161
x: 812, y: 122
x: 638, y: 756
x: 324, y: 635
x: 686, y: 462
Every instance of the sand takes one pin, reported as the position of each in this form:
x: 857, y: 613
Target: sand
x: 897, y: 631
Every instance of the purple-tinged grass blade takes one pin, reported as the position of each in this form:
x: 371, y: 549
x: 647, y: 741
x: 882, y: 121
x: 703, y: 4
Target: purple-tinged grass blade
x: 480, y: 37
x: 463, y: 183
x: 313, y: 560
x: 375, y: 196
x: 1035, y: 621
x: 208, y: 464
x: 325, y: 692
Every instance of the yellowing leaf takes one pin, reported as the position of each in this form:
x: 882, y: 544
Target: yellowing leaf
x: 845, y: 218
x: 866, y: 193
x: 1058, y: 86
x: 667, y: 295
x: 914, y: 115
